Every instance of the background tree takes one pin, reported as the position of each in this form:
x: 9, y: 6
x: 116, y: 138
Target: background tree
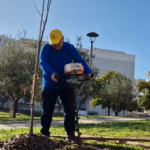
x: 120, y: 89
x: 114, y: 91
x: 144, y: 87
x: 17, y: 61
x: 100, y: 96
x: 145, y: 101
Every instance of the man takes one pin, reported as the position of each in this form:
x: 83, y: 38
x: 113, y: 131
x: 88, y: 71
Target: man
x: 53, y: 57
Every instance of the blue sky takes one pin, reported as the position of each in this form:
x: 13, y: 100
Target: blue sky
x: 122, y: 25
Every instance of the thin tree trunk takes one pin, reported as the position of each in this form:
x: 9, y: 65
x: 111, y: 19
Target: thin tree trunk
x: 59, y: 107
x: 36, y: 72
x: 108, y: 111
x: 116, y: 113
x: 41, y: 32
x: 12, y: 110
x: 82, y: 101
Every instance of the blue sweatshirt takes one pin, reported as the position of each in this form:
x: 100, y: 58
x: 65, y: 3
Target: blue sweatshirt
x: 52, y: 61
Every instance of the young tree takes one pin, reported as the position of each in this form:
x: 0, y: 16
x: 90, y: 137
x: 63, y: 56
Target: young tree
x: 35, y: 76
x: 115, y: 92
x: 144, y: 86
x: 16, y: 65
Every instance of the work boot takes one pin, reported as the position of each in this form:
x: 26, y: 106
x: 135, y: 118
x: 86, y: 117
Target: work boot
x: 71, y: 138
x: 47, y: 135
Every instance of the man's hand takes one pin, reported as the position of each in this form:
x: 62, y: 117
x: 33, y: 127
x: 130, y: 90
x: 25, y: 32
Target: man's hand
x: 53, y: 77
x: 91, y: 78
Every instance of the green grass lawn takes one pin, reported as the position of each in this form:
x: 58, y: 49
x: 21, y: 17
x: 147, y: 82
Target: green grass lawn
x: 105, y: 116
x: 4, y: 117
x: 116, y: 129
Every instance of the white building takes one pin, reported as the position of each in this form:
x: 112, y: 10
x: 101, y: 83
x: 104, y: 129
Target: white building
x: 114, y: 60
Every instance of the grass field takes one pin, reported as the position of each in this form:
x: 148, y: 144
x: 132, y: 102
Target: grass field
x: 4, y: 117
x: 115, y: 129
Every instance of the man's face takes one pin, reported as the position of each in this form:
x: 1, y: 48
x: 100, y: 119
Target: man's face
x: 59, y: 45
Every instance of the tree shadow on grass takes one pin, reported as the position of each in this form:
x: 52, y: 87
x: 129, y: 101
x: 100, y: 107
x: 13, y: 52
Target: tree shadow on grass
x: 96, y: 145
x: 111, y: 146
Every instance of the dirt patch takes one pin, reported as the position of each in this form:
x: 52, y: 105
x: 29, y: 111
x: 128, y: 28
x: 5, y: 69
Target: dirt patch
x: 39, y: 142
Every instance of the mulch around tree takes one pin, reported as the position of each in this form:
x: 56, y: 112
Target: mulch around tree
x: 39, y: 142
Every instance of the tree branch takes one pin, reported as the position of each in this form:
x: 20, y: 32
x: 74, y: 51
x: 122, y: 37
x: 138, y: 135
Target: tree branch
x: 38, y: 11
x: 9, y: 96
x: 17, y: 98
x: 48, y: 7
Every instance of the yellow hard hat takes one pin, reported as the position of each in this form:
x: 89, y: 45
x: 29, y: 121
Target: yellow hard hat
x: 55, y: 36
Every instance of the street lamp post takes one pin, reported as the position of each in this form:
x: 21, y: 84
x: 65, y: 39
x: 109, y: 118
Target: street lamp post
x: 91, y: 35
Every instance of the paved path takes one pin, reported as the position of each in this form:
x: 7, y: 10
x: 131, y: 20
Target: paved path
x: 25, y: 124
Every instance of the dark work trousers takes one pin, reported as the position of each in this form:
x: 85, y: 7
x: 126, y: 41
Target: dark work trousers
x: 49, y: 99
